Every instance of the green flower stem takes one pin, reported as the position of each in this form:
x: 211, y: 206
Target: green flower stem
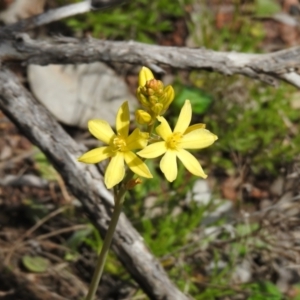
x: 151, y: 128
x: 119, y: 200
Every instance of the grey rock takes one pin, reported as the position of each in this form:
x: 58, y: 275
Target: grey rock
x: 277, y: 186
x: 76, y: 94
x: 200, y: 193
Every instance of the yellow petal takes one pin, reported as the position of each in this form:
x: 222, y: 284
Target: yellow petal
x: 137, y: 140
x: 197, y: 139
x: 145, y: 75
x: 101, y: 130
x: 191, y: 163
x: 123, y: 120
x: 168, y: 165
x: 163, y: 129
x: 153, y: 150
x: 184, y: 118
x: 115, y: 171
x: 136, y: 165
x: 96, y: 155
x: 194, y: 127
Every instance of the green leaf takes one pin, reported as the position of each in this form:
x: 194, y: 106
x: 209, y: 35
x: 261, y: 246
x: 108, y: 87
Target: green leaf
x: 265, y: 290
x: 45, y: 167
x: 71, y: 256
x: 78, y: 237
x: 36, y: 264
x: 266, y: 7
x: 199, y: 99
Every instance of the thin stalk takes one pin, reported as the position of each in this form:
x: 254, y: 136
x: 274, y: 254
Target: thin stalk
x: 119, y: 200
x: 151, y: 127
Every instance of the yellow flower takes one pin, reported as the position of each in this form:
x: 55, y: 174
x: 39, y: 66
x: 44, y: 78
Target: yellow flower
x: 119, y: 148
x: 174, y: 144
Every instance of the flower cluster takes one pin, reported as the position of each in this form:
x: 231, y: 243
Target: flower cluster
x: 155, y: 99
x: 153, y: 96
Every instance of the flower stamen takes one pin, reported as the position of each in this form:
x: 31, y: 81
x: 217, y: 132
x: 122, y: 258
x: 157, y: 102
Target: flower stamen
x: 173, y: 140
x: 120, y: 144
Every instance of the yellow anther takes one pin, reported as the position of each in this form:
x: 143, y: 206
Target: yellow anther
x: 120, y: 144
x: 173, y: 140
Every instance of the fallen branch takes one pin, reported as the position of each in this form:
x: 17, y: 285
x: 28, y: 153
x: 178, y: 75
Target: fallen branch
x: 14, y: 45
x: 86, y: 184
x: 282, y: 65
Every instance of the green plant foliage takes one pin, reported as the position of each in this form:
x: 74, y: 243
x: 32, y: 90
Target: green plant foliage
x: 199, y: 99
x: 139, y: 20
x: 253, y: 121
x: 44, y: 166
x: 88, y: 235
x: 241, y: 34
x: 36, y: 264
x: 255, y: 129
x: 266, y: 7
x: 264, y: 290
x: 164, y: 235
x: 91, y: 238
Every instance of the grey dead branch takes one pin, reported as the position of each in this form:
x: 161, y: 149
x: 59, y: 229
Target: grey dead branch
x: 269, y: 68
x: 85, y: 182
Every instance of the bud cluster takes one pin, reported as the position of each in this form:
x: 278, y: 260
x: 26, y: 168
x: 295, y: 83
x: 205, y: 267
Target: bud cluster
x: 153, y: 96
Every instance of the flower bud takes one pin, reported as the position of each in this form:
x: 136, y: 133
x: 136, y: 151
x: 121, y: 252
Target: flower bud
x: 142, y: 98
x: 142, y: 117
x: 157, y: 109
x: 144, y: 76
x: 153, y: 100
x: 152, y: 94
x: 169, y: 95
x: 154, y: 86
